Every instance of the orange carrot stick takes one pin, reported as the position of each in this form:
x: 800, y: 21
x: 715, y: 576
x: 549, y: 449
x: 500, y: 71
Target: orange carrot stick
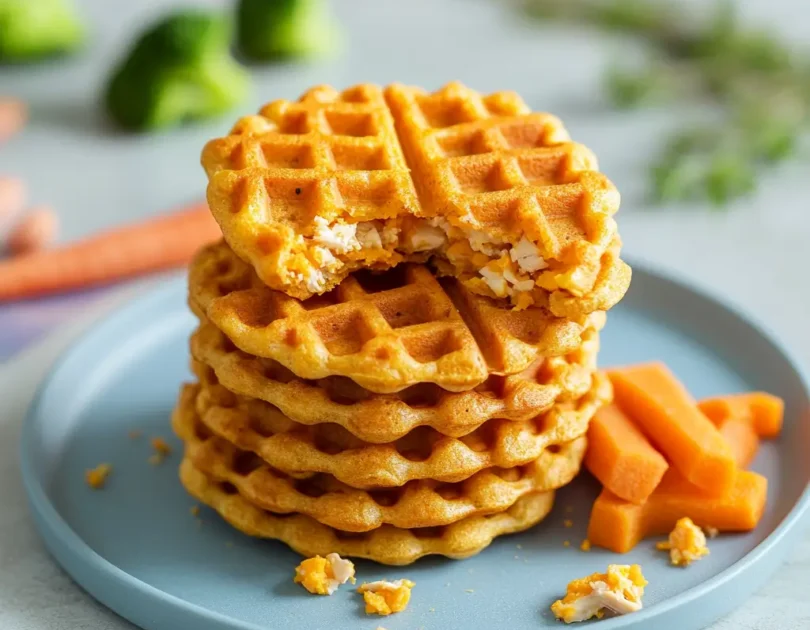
x: 665, y: 412
x: 621, y: 457
x: 764, y: 411
x: 741, y: 437
x: 159, y: 243
x: 619, y: 525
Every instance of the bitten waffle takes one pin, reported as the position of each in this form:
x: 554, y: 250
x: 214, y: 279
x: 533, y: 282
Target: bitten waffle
x: 309, y: 191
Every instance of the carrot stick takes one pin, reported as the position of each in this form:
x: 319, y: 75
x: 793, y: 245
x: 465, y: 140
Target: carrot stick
x: 665, y: 412
x: 764, y: 411
x: 621, y: 457
x: 741, y: 437
x: 159, y: 243
x: 619, y: 525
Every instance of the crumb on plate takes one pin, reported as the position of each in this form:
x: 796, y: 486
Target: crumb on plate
x: 97, y: 477
x: 323, y: 576
x: 585, y: 545
x: 195, y: 510
x: 566, y: 543
x: 383, y: 597
x: 686, y: 543
x: 568, y: 522
x: 619, y: 590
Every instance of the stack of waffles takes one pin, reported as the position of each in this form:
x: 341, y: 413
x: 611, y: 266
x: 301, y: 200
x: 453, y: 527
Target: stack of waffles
x: 398, y: 335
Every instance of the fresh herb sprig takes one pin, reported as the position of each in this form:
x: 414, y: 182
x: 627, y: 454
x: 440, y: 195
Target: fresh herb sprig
x: 760, y: 84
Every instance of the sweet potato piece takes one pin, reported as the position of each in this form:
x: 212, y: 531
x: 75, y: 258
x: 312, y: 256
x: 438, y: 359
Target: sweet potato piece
x: 665, y: 412
x: 764, y: 411
x: 741, y: 438
x: 619, y: 525
x: 621, y: 457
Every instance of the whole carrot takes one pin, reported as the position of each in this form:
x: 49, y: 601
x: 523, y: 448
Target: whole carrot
x: 159, y: 243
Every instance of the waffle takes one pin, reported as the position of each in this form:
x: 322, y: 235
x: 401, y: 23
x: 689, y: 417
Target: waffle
x: 384, y: 331
x: 301, y: 452
x: 290, y: 186
x: 423, y: 503
x: 338, y: 400
x: 386, y: 544
x: 513, y: 194
x: 308, y: 192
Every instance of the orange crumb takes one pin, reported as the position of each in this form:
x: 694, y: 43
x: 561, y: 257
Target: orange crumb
x: 155, y: 459
x: 568, y: 522
x: 569, y: 509
x: 160, y: 446
x: 585, y: 545
x: 566, y: 543
x: 385, y: 598
x: 195, y: 510
x: 97, y: 477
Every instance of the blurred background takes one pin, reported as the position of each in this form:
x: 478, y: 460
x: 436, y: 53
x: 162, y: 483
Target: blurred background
x: 695, y: 108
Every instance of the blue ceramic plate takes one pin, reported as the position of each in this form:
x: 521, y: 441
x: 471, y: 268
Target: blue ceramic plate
x: 136, y: 548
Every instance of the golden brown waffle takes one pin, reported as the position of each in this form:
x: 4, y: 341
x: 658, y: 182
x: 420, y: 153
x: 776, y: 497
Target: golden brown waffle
x: 332, y: 155
x: 310, y: 191
x: 386, y: 544
x: 302, y: 452
x: 496, y: 174
x: 340, y: 401
x: 424, y: 503
x: 385, y: 331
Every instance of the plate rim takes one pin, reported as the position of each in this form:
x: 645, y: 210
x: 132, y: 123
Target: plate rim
x: 54, y: 530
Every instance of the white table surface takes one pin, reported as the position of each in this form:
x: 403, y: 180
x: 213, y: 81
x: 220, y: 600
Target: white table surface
x: 752, y: 254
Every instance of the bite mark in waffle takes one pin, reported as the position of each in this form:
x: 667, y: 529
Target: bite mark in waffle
x: 519, y: 397
x: 302, y: 452
x: 386, y: 544
x: 309, y: 191
x: 423, y: 503
x: 385, y: 331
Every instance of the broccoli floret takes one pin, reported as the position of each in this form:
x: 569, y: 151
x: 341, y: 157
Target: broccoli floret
x: 30, y: 29
x: 268, y: 29
x: 180, y: 69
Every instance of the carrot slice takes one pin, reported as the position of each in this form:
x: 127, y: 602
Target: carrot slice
x: 662, y: 408
x: 621, y: 457
x: 764, y: 412
x: 619, y: 525
x: 160, y: 243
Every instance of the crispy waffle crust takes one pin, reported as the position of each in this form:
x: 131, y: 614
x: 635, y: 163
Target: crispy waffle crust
x: 383, y: 418
x: 301, y: 452
x: 423, y: 503
x: 385, y: 331
x: 386, y: 544
x: 455, y: 175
